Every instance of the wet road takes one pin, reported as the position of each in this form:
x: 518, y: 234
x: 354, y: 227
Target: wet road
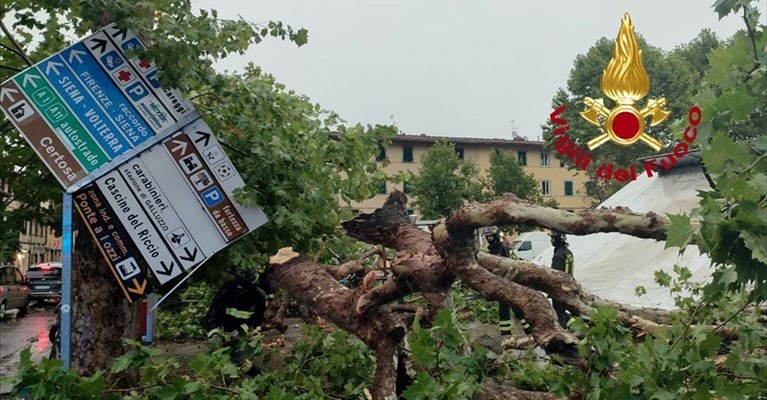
x: 16, y: 333
x: 20, y: 332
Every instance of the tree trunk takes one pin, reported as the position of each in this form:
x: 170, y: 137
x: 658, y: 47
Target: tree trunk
x: 101, y: 316
x: 429, y: 264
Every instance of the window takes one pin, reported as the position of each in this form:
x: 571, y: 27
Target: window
x: 546, y: 187
x: 406, y: 187
x: 382, y: 187
x: 591, y: 188
x: 544, y: 159
x: 525, y: 246
x: 568, y: 188
x: 522, y: 157
x: 460, y: 153
x: 407, y: 154
x: 410, y: 211
x: 381, y: 154
x: 561, y: 163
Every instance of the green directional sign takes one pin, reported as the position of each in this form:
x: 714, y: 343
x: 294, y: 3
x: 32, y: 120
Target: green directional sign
x: 60, y: 117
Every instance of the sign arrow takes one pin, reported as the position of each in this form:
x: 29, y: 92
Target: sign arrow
x: 52, y: 65
x: 166, y: 270
x: 99, y: 44
x: 30, y: 79
x: 138, y: 288
x: 189, y: 256
x: 180, y: 145
x: 75, y: 55
x: 203, y: 136
x: 6, y: 92
x: 119, y: 32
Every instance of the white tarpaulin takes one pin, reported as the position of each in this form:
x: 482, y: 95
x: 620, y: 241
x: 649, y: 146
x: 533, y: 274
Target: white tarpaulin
x: 611, y: 265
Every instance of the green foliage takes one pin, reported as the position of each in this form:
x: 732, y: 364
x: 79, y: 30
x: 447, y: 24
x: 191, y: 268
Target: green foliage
x: 440, y: 355
x: 182, y: 320
x: 321, y: 366
x: 470, y: 305
x: 731, y: 221
x: 507, y: 176
x: 299, y: 162
x: 48, y: 380
x: 680, y: 362
x: 328, y: 363
x: 445, y: 182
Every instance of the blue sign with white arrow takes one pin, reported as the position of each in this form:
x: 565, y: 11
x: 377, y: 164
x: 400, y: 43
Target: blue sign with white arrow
x: 79, y: 100
x: 100, y: 86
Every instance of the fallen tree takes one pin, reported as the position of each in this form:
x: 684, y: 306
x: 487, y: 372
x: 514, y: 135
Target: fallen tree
x: 430, y: 264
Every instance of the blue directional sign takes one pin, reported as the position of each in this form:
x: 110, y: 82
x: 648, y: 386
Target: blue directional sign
x: 84, y: 106
x: 100, y: 86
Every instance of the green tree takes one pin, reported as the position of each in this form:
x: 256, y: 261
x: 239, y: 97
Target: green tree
x: 732, y: 218
x: 674, y: 75
x: 505, y: 175
x: 299, y: 162
x: 445, y: 181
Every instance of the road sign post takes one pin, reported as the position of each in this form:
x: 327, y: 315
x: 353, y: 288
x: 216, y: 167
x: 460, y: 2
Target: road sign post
x: 65, y: 314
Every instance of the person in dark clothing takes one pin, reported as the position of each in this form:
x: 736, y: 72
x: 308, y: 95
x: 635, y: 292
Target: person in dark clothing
x: 562, y: 261
x: 496, y: 248
x: 242, y: 294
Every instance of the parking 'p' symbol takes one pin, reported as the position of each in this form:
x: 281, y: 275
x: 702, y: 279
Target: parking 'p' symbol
x: 212, y: 196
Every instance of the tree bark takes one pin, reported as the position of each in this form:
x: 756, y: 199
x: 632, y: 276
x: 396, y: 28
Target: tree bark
x: 312, y: 286
x: 430, y: 264
x: 101, y: 316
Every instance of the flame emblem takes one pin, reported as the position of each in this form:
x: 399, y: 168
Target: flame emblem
x: 625, y: 81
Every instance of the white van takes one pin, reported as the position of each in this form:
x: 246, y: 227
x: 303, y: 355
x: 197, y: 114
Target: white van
x: 529, y: 244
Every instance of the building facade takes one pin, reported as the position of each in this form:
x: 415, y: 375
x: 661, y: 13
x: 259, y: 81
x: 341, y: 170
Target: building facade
x: 555, y: 181
x: 38, y: 244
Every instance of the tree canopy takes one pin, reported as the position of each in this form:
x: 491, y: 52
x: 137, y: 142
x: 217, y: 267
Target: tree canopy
x: 444, y: 181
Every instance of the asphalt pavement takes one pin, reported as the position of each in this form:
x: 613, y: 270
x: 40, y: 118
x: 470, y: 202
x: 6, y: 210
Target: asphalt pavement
x: 17, y: 333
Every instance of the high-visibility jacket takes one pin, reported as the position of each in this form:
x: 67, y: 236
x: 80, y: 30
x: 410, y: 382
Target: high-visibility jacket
x: 563, y: 260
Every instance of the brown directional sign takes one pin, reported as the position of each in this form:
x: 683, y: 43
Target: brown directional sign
x: 39, y: 134
x: 113, y: 241
x: 208, y: 189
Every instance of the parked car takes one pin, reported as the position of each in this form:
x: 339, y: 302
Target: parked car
x: 529, y: 244
x: 14, y: 292
x: 45, y: 281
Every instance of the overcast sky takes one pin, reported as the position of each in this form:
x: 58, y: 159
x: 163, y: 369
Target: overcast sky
x: 451, y: 68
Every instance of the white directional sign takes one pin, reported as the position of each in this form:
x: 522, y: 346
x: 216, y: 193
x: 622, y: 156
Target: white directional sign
x: 150, y: 179
x: 175, y: 209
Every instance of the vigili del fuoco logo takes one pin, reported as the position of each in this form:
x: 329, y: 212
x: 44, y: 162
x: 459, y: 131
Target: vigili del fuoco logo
x: 626, y: 82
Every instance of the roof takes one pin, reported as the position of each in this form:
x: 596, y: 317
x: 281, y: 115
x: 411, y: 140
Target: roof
x: 423, y: 138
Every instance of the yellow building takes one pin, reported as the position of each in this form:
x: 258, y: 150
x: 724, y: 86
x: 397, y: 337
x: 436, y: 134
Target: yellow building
x: 567, y: 187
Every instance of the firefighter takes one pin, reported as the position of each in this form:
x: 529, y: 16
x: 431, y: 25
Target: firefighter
x: 562, y: 261
x: 496, y: 248
x: 242, y: 294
